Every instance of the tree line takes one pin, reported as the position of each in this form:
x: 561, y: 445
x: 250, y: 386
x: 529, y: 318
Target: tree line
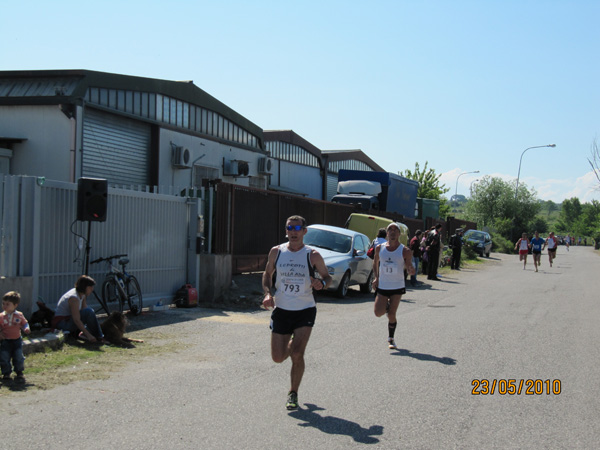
x: 509, y: 211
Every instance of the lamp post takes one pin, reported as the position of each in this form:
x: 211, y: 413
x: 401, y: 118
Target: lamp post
x: 464, y: 173
x: 520, y: 160
x: 471, y: 186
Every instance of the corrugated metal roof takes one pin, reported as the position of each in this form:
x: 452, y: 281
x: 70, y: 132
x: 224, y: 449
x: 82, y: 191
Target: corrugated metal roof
x: 37, y: 87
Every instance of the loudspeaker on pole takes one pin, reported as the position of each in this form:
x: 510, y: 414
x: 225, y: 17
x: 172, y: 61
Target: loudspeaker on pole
x: 92, y: 196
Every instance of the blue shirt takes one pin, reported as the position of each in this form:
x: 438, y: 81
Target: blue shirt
x: 537, y: 243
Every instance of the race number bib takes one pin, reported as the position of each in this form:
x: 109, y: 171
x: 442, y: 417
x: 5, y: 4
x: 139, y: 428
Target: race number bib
x: 389, y: 269
x: 293, y: 285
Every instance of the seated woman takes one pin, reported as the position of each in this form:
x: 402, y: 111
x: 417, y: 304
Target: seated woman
x: 73, y: 314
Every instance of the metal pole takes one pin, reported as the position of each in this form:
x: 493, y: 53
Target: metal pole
x: 521, y: 160
x: 456, y: 189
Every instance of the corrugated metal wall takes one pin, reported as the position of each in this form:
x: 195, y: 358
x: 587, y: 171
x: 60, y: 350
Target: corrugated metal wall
x: 41, y: 236
x: 250, y: 221
x: 115, y: 148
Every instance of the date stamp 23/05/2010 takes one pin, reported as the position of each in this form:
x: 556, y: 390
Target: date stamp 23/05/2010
x: 509, y: 386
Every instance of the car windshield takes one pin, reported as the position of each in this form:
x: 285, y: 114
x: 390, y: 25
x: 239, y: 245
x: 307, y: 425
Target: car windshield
x: 475, y: 235
x: 328, y: 240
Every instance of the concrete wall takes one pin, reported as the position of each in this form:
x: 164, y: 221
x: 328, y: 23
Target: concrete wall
x: 206, y: 153
x: 24, y: 286
x: 215, y: 276
x: 50, y: 143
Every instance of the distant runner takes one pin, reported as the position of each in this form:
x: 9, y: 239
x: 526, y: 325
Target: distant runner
x: 523, y: 246
x: 552, y: 244
x: 536, y: 248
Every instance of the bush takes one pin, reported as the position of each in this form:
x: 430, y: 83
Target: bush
x: 501, y: 244
x: 468, y: 251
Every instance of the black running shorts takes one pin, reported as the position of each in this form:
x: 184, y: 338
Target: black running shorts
x: 389, y: 292
x: 284, y: 321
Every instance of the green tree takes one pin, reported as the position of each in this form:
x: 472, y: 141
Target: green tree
x: 429, y: 185
x: 492, y: 204
x: 550, y: 206
x: 569, y: 215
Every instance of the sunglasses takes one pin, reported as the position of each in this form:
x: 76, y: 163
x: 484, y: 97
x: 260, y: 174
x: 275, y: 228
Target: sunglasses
x: 294, y: 227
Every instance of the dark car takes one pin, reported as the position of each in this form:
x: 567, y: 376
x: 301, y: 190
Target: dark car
x: 480, y: 240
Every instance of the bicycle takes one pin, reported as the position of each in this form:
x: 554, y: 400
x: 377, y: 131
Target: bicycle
x: 119, y: 287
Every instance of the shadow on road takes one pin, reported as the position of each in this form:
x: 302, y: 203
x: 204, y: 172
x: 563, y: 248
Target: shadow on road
x: 335, y: 425
x: 425, y: 357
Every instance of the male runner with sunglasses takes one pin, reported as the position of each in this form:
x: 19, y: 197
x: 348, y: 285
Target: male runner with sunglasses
x: 295, y: 309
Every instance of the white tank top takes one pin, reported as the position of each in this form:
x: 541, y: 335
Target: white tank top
x: 551, y: 243
x: 292, y: 286
x: 391, y: 268
x: 524, y: 245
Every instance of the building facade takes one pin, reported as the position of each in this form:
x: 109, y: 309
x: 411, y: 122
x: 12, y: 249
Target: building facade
x: 133, y: 131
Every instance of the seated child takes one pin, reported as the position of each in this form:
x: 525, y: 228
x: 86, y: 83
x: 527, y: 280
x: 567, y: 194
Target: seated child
x: 11, y: 343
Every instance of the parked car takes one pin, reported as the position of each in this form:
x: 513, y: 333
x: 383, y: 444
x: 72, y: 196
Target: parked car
x: 480, y: 240
x: 345, y: 255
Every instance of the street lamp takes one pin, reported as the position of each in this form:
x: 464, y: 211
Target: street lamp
x: 464, y: 173
x: 471, y: 186
x: 520, y: 160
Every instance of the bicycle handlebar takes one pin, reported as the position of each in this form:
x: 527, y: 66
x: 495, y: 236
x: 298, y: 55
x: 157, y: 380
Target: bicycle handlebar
x: 108, y: 258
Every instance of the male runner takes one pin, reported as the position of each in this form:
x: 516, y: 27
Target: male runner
x: 536, y: 248
x: 552, y: 244
x: 523, y: 246
x: 295, y: 309
x: 388, y: 278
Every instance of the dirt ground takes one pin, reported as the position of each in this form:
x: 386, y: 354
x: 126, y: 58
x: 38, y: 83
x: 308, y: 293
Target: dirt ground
x: 75, y: 361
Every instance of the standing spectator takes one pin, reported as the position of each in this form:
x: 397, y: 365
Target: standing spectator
x: 424, y: 256
x: 380, y: 239
x: 11, y: 342
x: 434, y: 243
x: 415, y: 247
x: 456, y: 244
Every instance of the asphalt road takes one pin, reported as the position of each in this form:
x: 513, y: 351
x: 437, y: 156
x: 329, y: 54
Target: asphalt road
x: 222, y: 391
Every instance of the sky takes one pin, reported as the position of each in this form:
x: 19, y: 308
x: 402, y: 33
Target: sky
x: 462, y: 85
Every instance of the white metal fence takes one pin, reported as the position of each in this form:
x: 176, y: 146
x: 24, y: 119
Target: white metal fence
x: 41, y: 238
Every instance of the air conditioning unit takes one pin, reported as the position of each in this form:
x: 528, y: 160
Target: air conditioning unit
x: 235, y: 168
x: 265, y: 166
x: 181, y: 158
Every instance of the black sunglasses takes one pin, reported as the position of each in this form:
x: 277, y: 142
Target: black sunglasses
x: 294, y: 227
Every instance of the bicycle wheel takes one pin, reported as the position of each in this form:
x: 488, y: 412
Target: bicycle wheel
x: 134, y: 295
x: 111, y: 297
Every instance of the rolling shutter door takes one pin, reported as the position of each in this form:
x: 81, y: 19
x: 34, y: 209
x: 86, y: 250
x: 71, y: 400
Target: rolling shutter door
x: 332, y: 182
x: 115, y: 148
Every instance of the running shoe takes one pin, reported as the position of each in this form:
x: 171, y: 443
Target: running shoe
x: 292, y: 400
x: 20, y: 378
x: 392, y: 343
